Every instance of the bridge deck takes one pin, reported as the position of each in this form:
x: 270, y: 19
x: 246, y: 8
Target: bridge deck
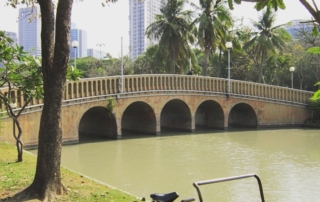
x: 141, y: 85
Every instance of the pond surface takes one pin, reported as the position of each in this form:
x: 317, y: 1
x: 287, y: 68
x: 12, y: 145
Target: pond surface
x: 286, y: 160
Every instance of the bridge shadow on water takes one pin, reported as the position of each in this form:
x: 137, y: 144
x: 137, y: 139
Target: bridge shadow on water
x: 128, y: 135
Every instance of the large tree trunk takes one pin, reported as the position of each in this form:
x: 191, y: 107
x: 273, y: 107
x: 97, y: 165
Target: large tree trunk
x: 55, y: 56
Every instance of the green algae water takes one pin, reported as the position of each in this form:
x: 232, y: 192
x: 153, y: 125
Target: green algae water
x: 286, y: 160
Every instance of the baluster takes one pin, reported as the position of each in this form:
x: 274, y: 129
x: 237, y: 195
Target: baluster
x: 69, y: 91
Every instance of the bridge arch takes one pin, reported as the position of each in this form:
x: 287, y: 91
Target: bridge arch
x: 139, y: 117
x: 242, y: 115
x: 176, y: 115
x: 97, y: 122
x: 209, y: 115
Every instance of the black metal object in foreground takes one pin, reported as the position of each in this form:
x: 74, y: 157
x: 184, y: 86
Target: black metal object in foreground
x: 168, y: 197
x: 197, y: 184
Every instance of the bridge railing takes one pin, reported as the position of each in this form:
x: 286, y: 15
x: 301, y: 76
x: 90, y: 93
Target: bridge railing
x: 150, y: 83
x: 277, y: 93
x: 155, y: 83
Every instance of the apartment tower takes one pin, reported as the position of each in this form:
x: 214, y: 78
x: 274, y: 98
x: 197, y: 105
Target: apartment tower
x: 30, y: 30
x: 141, y: 14
x: 80, y: 36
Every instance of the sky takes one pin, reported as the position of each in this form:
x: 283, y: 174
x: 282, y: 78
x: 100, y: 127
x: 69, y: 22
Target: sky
x: 106, y: 25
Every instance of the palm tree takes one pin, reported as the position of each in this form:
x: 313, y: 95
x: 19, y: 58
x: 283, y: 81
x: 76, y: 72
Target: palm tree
x: 267, y: 40
x: 174, y: 30
x: 214, y: 20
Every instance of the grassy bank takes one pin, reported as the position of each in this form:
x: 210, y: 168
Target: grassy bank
x: 14, y: 177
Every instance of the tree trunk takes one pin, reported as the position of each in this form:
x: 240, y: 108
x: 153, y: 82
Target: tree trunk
x: 219, y: 64
x: 55, y: 56
x: 19, y: 143
x: 173, y: 63
x: 205, y: 68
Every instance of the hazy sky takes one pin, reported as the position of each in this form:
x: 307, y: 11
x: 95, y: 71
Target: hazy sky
x: 108, y: 24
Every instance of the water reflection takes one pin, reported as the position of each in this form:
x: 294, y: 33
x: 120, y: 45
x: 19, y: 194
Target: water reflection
x: 287, y: 161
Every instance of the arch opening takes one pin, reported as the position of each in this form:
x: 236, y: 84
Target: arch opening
x: 209, y: 115
x: 97, y: 123
x: 242, y: 115
x: 138, y: 118
x: 176, y: 116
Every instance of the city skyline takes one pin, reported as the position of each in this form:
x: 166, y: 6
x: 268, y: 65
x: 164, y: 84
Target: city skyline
x: 108, y: 24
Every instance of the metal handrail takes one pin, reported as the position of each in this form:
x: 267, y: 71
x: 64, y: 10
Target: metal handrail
x: 197, y: 184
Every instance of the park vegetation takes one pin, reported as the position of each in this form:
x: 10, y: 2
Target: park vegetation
x: 22, y: 76
x: 247, y: 65
x: 262, y: 52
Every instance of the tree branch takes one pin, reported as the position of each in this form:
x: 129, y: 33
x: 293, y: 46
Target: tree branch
x: 315, y: 13
x: 315, y: 5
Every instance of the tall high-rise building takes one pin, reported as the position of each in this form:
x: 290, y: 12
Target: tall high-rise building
x: 30, y: 30
x: 141, y: 15
x: 80, y: 36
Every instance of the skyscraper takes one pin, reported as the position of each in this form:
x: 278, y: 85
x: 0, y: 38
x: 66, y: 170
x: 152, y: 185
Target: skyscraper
x: 30, y: 29
x: 141, y: 15
x: 80, y: 36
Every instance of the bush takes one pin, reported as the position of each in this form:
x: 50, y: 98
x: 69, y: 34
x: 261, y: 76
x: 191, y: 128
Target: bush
x: 314, y: 103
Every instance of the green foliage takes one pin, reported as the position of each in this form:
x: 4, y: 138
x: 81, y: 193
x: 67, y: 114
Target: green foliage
x: 150, y: 62
x: 314, y: 50
x: 275, y: 4
x: 21, y: 71
x: 266, y: 40
x: 111, y: 105
x: 74, y: 74
x: 314, y: 103
x: 270, y: 4
x: 230, y: 3
x: 175, y: 32
x: 86, y: 65
x: 315, y: 30
x: 108, y: 66
x: 214, y: 21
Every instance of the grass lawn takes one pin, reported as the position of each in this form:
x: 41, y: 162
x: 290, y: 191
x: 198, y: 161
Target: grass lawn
x: 14, y: 177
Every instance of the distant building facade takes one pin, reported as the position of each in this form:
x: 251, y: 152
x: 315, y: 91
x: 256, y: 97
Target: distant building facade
x: 295, y: 26
x: 141, y: 15
x: 30, y: 30
x: 80, y: 36
x: 96, y: 53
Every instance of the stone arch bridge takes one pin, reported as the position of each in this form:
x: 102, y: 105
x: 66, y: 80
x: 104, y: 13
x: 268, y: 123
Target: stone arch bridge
x: 149, y: 104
